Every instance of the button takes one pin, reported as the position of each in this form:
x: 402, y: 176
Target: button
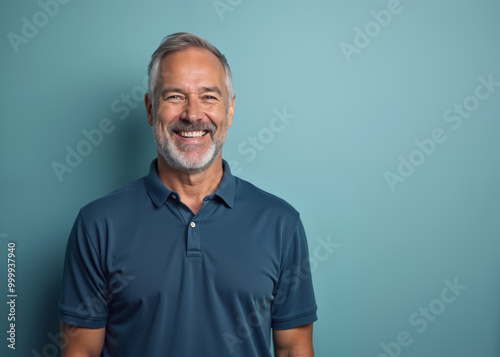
x: 174, y: 197
x: 193, y: 224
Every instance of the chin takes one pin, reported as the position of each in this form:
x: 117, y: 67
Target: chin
x: 191, y: 165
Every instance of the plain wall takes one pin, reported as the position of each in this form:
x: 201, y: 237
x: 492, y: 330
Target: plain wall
x: 378, y: 120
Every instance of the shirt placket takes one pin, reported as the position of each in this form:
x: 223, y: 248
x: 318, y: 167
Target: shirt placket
x: 193, y: 239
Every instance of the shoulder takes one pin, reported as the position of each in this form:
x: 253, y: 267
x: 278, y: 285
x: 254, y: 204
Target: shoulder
x: 256, y: 197
x: 115, y: 203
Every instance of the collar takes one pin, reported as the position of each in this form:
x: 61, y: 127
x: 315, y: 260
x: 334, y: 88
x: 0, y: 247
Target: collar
x: 159, y: 192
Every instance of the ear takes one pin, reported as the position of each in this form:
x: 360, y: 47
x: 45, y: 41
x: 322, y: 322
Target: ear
x: 230, y: 112
x: 148, y: 102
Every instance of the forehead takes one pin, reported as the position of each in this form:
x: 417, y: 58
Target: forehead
x: 191, y: 64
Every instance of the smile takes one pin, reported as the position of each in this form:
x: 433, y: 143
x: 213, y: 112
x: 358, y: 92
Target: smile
x: 192, y: 134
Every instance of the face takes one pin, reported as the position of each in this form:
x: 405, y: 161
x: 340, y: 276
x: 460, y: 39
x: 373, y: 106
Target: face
x: 191, y: 113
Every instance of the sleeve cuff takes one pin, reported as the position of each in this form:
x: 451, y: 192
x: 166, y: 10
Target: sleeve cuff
x: 293, y: 322
x: 94, y: 322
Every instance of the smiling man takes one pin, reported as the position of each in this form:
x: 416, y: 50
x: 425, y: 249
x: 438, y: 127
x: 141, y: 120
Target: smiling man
x: 189, y: 261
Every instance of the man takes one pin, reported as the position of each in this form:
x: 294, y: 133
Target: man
x: 190, y: 260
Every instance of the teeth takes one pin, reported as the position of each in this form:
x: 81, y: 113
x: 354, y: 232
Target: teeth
x: 191, y: 134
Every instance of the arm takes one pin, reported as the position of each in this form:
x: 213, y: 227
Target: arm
x: 81, y: 342
x: 294, y: 342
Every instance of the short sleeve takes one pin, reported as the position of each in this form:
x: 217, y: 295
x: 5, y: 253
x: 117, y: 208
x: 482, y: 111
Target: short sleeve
x: 294, y: 302
x: 83, y: 300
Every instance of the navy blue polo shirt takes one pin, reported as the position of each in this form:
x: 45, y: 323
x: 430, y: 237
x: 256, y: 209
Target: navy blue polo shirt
x: 166, y: 282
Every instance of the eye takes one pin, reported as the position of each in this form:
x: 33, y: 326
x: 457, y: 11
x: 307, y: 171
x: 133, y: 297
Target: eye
x: 174, y: 98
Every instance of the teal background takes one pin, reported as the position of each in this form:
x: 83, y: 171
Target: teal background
x: 393, y: 250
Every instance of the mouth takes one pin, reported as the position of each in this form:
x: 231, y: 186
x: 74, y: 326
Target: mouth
x: 192, y: 134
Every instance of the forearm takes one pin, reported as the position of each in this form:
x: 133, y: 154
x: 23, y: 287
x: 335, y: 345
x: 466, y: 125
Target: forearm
x: 295, y: 342
x: 81, y: 342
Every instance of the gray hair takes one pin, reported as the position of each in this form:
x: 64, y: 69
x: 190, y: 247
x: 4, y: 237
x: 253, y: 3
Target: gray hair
x: 181, y: 41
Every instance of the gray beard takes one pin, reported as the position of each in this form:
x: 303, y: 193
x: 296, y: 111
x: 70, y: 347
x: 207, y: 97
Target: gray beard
x: 175, y: 156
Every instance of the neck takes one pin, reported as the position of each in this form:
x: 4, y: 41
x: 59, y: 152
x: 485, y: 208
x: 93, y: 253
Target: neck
x: 191, y: 187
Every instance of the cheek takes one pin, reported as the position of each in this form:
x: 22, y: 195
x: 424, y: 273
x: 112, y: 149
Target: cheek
x: 163, y: 116
x: 161, y: 122
x: 167, y: 113
x: 218, y: 115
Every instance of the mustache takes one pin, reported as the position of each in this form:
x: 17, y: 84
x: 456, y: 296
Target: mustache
x: 188, y: 126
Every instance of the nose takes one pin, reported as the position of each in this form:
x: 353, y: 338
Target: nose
x: 191, y: 110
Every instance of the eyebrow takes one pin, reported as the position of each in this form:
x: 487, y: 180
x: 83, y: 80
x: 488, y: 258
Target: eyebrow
x: 170, y: 89
x: 212, y: 89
